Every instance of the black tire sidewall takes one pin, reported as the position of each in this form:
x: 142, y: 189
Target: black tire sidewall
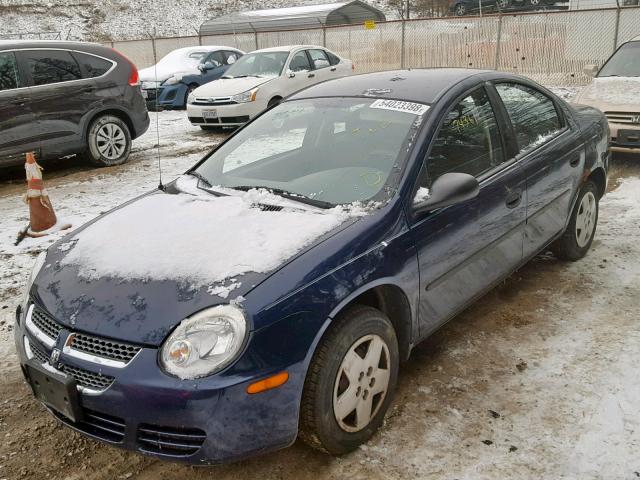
x: 93, y: 154
x: 567, y: 248
x: 364, y: 321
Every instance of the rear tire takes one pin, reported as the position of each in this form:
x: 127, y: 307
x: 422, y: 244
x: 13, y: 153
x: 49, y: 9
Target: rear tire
x: 350, y: 382
x: 578, y: 237
x: 108, y: 141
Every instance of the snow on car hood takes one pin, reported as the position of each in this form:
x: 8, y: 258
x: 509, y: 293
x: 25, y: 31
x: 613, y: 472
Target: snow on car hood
x: 620, y: 94
x: 164, y: 72
x: 225, y: 87
x: 136, y: 272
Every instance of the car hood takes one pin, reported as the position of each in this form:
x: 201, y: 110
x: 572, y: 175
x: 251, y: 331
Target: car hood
x: 225, y: 87
x: 134, y: 273
x: 617, y: 94
x: 163, y: 73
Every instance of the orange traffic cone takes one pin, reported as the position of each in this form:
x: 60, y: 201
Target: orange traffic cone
x: 42, y: 218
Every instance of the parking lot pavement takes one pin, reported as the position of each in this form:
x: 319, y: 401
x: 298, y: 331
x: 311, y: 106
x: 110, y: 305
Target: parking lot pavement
x: 537, y: 380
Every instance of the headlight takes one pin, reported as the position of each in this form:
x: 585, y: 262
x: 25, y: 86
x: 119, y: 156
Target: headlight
x: 204, y: 343
x: 172, y: 80
x: 191, y: 98
x: 244, y: 97
x: 32, y: 276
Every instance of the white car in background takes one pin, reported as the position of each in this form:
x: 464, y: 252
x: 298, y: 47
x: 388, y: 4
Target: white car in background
x: 259, y: 80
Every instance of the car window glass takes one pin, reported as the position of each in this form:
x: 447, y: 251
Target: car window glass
x: 94, y: 66
x: 468, y: 141
x: 624, y: 63
x: 8, y: 71
x: 216, y: 58
x: 51, y: 66
x: 319, y: 59
x: 333, y: 59
x: 300, y: 62
x: 232, y: 57
x: 533, y: 114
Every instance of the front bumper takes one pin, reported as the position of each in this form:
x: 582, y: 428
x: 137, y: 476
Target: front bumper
x: 227, y: 115
x: 625, y: 137
x: 205, y: 421
x: 166, y: 97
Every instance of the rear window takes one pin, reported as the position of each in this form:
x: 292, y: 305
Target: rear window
x: 8, y: 71
x: 333, y: 59
x: 92, y: 65
x: 52, y: 66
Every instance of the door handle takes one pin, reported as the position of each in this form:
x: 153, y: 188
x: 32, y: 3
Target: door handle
x: 311, y: 75
x: 513, y: 199
x: 575, y: 161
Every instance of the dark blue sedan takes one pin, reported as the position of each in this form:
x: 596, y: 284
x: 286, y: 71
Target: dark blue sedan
x: 272, y: 291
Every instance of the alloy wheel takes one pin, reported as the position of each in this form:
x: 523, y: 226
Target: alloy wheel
x: 111, y: 141
x: 585, y: 219
x: 362, y: 383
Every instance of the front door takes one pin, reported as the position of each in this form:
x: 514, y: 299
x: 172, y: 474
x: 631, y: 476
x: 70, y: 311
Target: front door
x: 552, y: 157
x: 465, y: 248
x: 18, y: 129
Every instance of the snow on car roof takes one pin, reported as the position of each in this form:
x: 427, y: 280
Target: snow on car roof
x: 286, y: 48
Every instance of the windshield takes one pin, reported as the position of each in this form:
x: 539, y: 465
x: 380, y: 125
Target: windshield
x: 179, y: 59
x: 624, y: 63
x: 265, y: 64
x: 329, y: 150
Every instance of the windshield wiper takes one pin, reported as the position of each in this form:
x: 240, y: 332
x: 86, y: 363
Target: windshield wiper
x: 200, y: 177
x: 298, y: 197
x: 227, y: 76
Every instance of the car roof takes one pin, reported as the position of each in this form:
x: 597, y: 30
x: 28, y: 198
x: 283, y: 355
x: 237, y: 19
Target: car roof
x: 45, y: 43
x: 419, y: 85
x: 287, y: 48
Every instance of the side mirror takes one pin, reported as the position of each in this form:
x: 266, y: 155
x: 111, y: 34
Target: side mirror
x: 448, y: 189
x: 591, y: 70
x: 291, y: 74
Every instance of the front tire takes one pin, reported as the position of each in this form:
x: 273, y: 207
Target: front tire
x: 108, y: 141
x: 189, y: 91
x: 460, y: 10
x: 350, y: 382
x: 578, y: 237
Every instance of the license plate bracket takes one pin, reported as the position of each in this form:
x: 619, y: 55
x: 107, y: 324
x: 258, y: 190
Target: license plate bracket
x: 628, y: 137
x: 56, y: 391
x: 210, y: 115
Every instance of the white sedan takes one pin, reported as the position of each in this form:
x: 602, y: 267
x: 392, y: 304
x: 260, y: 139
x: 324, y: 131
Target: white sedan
x: 259, y: 80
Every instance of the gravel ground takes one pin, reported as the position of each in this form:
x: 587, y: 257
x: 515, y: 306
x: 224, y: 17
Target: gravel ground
x: 537, y: 380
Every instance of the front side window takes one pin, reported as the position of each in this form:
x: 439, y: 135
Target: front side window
x: 533, y: 114
x: 231, y: 57
x: 8, y: 71
x: 52, y: 66
x: 331, y: 150
x: 468, y: 141
x: 216, y: 58
x: 94, y: 66
x: 300, y: 62
x: 261, y: 64
x: 319, y: 59
x: 624, y: 63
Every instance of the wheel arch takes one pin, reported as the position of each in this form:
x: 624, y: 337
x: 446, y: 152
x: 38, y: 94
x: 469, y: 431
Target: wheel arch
x: 116, y: 112
x: 599, y: 177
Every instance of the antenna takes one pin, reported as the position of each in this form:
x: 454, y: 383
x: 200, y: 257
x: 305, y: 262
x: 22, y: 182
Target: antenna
x: 155, y: 69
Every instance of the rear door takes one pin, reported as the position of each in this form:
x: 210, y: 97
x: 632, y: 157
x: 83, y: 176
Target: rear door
x: 552, y: 155
x: 18, y: 129
x: 60, y: 97
x: 321, y: 66
x: 466, y: 248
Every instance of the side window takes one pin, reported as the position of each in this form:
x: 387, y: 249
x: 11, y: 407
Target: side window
x: 300, y: 62
x: 94, y: 66
x: 231, y: 57
x: 319, y: 59
x: 533, y: 114
x: 51, y: 66
x: 469, y: 140
x: 8, y: 71
x: 333, y: 59
x: 217, y: 58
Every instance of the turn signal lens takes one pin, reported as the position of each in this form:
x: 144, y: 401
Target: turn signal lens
x: 268, y: 383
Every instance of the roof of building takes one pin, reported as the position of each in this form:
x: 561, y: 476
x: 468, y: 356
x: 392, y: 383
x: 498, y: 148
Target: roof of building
x: 292, y: 18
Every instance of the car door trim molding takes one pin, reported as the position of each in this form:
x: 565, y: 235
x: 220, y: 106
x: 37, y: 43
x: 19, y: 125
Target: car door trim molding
x: 114, y: 64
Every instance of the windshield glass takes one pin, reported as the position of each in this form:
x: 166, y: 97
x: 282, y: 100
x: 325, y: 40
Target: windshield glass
x: 624, y: 63
x: 178, y: 59
x: 329, y: 150
x: 265, y: 64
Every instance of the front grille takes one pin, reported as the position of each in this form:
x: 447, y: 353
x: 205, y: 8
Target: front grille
x: 623, y: 117
x: 38, y: 353
x: 214, y: 101
x: 87, y: 379
x: 119, y: 351
x: 179, y: 442
x: 45, y: 323
x: 100, y: 425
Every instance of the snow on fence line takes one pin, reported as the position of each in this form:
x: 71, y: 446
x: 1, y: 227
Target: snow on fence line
x: 550, y: 47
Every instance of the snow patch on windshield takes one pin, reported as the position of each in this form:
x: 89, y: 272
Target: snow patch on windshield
x: 200, y: 240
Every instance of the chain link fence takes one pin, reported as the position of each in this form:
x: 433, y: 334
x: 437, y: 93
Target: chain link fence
x: 550, y: 47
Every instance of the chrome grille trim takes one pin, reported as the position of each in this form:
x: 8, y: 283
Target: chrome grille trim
x: 35, y: 331
x: 631, y: 118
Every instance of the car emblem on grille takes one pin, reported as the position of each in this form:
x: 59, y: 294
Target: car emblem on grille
x: 54, y: 358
